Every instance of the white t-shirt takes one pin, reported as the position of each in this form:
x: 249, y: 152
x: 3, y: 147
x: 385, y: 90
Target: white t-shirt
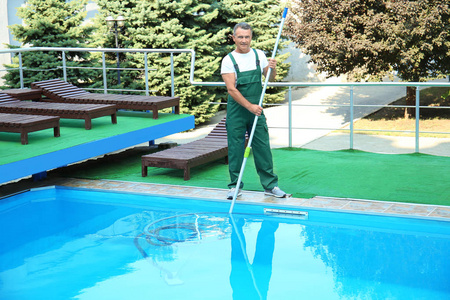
x: 246, y: 62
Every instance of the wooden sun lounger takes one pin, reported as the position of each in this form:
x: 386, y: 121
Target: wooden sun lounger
x: 210, y: 148
x: 61, y: 91
x: 11, y: 105
x: 24, y: 124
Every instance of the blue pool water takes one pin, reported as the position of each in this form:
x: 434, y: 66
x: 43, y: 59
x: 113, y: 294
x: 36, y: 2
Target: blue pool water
x: 61, y: 243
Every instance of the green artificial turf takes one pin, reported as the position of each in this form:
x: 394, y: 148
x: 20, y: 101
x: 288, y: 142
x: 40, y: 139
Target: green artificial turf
x: 73, y: 133
x: 414, y: 178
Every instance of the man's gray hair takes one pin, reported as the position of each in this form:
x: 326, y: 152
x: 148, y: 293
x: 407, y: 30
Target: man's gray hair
x: 242, y: 25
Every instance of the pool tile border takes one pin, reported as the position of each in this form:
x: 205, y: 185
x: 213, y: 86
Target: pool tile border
x: 329, y: 203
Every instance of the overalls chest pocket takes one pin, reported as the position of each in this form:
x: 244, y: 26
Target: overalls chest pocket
x: 249, y: 82
x: 245, y: 79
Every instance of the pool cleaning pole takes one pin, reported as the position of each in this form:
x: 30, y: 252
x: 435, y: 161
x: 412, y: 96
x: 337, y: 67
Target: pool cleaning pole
x: 248, y: 148
x: 244, y: 253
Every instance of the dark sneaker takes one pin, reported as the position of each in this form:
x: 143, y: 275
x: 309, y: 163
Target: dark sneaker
x: 231, y: 192
x: 277, y: 192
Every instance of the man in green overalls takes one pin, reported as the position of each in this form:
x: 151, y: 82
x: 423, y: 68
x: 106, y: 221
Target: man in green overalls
x: 242, y: 72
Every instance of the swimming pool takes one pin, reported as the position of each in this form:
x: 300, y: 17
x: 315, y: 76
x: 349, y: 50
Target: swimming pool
x: 65, y: 243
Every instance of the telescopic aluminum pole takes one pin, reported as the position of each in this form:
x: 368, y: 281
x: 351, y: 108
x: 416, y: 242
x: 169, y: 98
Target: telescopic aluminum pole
x: 244, y: 253
x: 248, y: 148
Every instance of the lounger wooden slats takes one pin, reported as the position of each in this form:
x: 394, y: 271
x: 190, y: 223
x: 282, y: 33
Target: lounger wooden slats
x: 24, y: 94
x: 24, y: 124
x: 59, y: 90
x: 87, y: 112
x: 210, y: 148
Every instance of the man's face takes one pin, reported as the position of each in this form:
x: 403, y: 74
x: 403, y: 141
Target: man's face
x: 242, y: 38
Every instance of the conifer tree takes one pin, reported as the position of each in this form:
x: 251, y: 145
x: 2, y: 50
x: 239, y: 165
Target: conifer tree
x: 190, y: 24
x: 50, y: 23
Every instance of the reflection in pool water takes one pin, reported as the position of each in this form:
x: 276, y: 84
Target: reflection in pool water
x: 96, y: 245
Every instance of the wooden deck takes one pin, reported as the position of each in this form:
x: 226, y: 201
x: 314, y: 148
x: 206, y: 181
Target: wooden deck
x: 76, y: 145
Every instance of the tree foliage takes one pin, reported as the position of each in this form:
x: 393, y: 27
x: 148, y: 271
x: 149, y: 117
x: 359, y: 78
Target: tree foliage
x: 189, y: 24
x: 367, y: 266
x: 51, y: 23
x: 368, y: 39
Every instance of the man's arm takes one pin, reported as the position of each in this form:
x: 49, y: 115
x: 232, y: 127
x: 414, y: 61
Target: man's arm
x: 230, y: 82
x: 273, y: 66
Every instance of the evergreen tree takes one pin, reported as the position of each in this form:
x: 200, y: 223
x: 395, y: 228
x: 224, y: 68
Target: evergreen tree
x: 368, y: 39
x: 189, y: 24
x: 50, y: 23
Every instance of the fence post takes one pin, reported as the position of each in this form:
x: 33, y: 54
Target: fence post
x: 172, y: 75
x: 290, y: 116
x: 172, y: 78
x: 146, y: 73
x: 20, y: 70
x: 105, y: 83
x: 417, y: 119
x: 351, y: 117
x: 63, y: 54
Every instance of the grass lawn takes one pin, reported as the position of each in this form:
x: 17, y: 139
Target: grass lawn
x: 413, y: 178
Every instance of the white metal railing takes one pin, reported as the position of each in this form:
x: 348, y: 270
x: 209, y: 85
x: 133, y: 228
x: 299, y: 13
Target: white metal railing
x: 64, y: 67
x: 351, y: 106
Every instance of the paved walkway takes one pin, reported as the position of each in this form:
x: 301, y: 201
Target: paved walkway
x: 331, y: 116
x: 437, y: 212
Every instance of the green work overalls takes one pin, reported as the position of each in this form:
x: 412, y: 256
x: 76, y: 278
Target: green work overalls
x: 240, y: 120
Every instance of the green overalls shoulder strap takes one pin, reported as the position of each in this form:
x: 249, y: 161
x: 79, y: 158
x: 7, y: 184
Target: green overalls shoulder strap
x: 246, y: 79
